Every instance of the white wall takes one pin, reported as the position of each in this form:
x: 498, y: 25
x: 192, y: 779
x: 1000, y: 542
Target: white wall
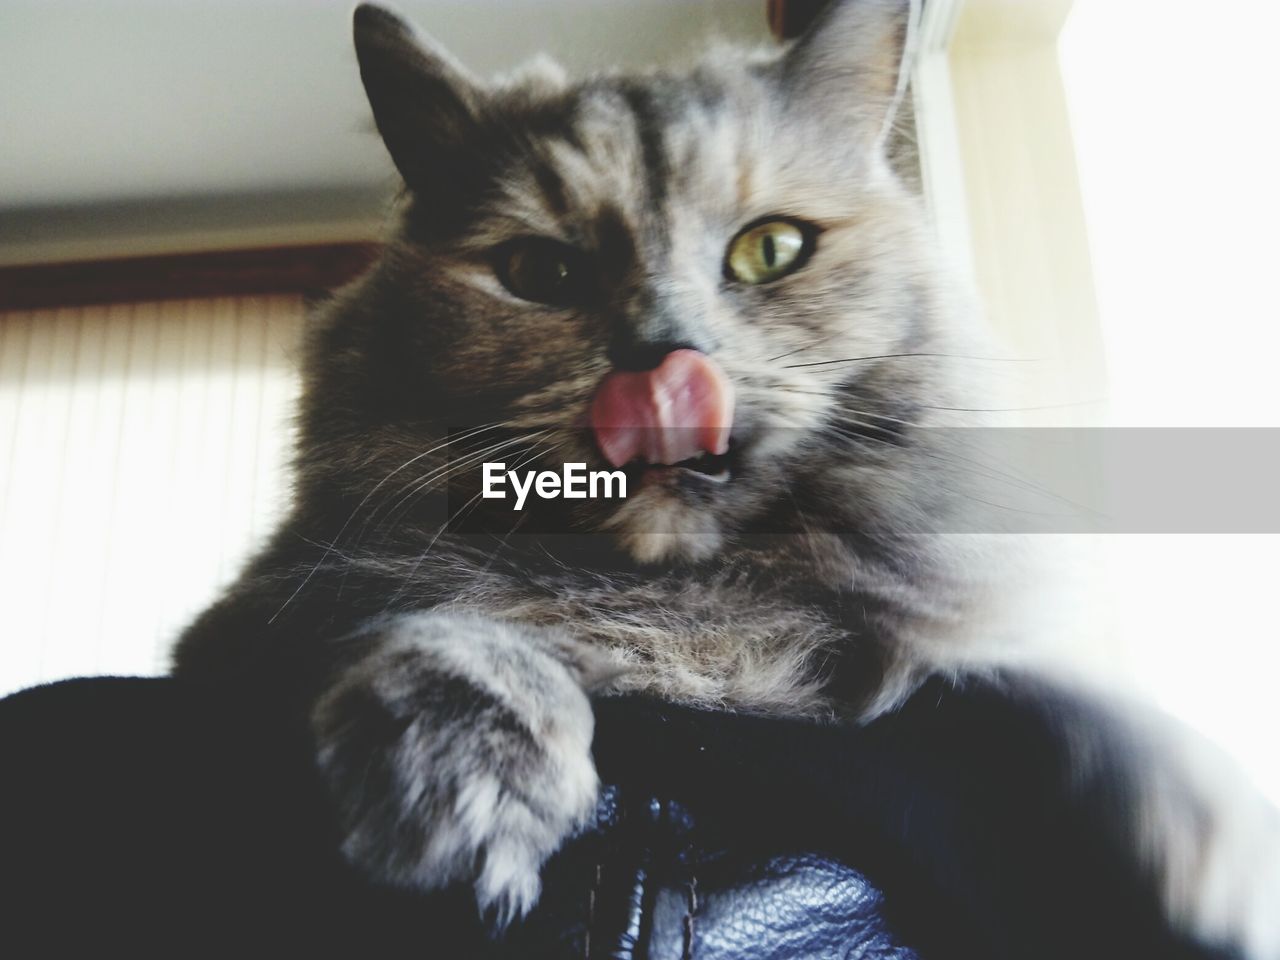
x: 216, y: 97
x: 1173, y: 112
x: 1110, y: 167
x: 141, y: 455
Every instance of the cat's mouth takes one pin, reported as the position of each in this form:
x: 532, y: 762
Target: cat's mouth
x: 674, y: 421
x: 704, y: 467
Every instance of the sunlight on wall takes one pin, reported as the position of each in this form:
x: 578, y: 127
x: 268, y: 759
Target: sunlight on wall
x: 1172, y: 108
x: 143, y: 450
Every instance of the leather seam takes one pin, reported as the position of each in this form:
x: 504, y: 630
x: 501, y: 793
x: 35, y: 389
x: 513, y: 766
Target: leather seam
x: 591, y: 911
x: 691, y: 908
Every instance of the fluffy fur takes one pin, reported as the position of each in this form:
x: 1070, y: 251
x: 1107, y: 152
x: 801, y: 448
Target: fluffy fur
x: 440, y: 647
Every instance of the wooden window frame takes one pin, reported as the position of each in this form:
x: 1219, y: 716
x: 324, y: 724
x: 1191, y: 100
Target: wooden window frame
x: 999, y: 175
x: 306, y: 269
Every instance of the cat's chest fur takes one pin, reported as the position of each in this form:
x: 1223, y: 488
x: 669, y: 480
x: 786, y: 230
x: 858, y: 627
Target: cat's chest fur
x: 763, y: 632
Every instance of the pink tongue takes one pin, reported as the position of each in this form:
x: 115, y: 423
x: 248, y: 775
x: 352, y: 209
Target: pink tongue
x: 675, y: 412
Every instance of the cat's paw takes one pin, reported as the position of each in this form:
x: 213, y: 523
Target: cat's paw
x: 1215, y: 844
x: 458, y: 753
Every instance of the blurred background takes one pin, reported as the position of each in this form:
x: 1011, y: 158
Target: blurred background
x: 179, y: 178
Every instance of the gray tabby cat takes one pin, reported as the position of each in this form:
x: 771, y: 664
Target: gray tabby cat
x: 734, y: 234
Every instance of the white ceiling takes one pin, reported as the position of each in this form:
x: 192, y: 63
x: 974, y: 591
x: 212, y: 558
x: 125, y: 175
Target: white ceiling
x: 126, y: 101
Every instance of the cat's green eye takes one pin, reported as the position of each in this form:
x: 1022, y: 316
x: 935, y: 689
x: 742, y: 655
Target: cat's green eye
x: 767, y: 251
x: 543, y: 271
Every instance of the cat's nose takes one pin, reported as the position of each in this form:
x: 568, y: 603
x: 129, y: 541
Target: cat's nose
x: 639, y: 356
x: 652, y: 322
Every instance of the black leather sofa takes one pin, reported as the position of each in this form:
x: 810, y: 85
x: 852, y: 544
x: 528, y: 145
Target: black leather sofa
x: 142, y: 817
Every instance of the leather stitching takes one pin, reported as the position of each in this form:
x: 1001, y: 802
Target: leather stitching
x: 691, y: 902
x: 591, y: 911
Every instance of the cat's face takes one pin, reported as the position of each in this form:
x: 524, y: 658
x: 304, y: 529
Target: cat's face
x: 559, y: 232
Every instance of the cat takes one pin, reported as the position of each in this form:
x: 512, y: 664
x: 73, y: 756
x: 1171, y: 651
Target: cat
x: 733, y: 237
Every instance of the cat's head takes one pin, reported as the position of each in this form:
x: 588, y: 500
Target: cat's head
x: 559, y: 236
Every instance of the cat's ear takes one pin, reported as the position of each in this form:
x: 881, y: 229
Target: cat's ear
x: 851, y: 63
x: 425, y: 105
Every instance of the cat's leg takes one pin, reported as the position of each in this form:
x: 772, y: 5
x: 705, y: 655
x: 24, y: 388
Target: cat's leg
x: 1048, y: 812
x: 1186, y: 814
x: 458, y: 749
x: 1212, y: 839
